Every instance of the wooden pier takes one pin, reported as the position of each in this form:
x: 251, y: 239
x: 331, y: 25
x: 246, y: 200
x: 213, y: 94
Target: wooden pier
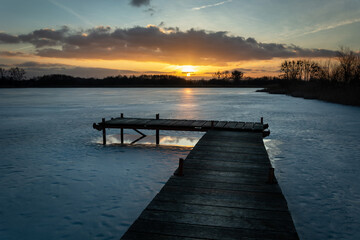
x: 224, y: 189
x: 158, y: 124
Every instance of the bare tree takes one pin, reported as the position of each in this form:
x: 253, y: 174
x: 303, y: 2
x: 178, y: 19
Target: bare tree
x: 237, y: 75
x: 17, y: 74
x: 217, y: 75
x: 348, y: 64
x: 3, y: 73
x: 292, y: 69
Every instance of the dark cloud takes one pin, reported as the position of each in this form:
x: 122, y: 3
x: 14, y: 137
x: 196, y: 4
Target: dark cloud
x: 34, y: 69
x: 160, y: 44
x: 139, y: 3
x: 10, y: 53
x: 7, y: 38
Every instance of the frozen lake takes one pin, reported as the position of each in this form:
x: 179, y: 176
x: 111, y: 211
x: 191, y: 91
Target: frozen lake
x: 58, y: 182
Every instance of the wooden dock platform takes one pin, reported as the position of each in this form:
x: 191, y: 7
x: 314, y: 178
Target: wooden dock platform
x: 224, y: 189
x: 176, y: 125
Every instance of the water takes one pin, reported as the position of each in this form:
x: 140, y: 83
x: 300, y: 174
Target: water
x: 58, y: 182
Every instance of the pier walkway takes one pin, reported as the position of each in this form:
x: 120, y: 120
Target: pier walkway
x: 224, y: 189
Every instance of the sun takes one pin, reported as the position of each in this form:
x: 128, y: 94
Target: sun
x: 187, y: 69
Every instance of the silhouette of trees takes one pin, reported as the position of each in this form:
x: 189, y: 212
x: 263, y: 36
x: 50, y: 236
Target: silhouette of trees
x: 237, y: 76
x: 17, y: 74
x: 345, y: 70
x: 305, y: 70
x: 225, y: 75
x: 3, y: 73
x: 349, y: 65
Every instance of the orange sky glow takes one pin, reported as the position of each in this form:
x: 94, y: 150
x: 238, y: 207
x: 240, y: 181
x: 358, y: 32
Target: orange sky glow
x: 184, y: 41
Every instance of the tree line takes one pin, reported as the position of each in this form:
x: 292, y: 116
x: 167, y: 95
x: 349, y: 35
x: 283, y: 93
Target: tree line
x: 336, y: 80
x: 345, y: 70
x: 16, y: 74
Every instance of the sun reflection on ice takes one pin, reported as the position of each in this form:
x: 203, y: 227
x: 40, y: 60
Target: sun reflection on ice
x: 130, y: 139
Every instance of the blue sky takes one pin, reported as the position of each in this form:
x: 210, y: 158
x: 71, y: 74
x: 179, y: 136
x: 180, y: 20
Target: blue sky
x: 316, y: 24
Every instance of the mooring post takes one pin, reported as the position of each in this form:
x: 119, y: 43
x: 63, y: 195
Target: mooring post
x: 271, y: 177
x: 104, y: 131
x: 180, y: 170
x: 262, y: 120
x: 122, y: 130
x: 157, y: 131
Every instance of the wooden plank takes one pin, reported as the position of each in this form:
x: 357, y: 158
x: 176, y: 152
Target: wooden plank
x: 230, y: 125
x: 240, y: 125
x: 218, y: 184
x: 243, y: 157
x: 159, y: 122
x: 183, y: 123
x: 244, y: 177
x: 217, y: 221
x: 230, y: 150
x: 219, y: 211
x: 222, y: 165
x: 154, y: 236
x: 258, y: 126
x: 221, y: 124
x: 206, y: 232
x: 208, y: 124
x: 127, y: 121
x: 253, y: 169
x: 239, y: 144
x: 229, y: 162
x: 248, y: 126
x: 276, y: 198
x: 216, y: 200
x: 198, y: 123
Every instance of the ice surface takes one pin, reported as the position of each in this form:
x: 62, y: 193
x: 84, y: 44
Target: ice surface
x: 58, y: 182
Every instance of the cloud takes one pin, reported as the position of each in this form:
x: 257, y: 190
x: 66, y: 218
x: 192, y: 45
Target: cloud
x: 72, y: 12
x: 318, y: 28
x: 11, y: 54
x: 139, y: 3
x: 157, y: 44
x: 211, y: 5
x: 332, y: 26
x: 34, y: 69
x: 7, y: 38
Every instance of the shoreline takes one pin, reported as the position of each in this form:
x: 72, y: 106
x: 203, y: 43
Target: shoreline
x: 345, y: 95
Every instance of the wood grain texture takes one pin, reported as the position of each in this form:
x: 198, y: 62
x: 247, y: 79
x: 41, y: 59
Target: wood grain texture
x: 223, y: 194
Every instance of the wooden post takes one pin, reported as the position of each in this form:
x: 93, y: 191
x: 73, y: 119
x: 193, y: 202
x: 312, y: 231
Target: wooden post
x: 262, y: 120
x: 122, y: 130
x: 157, y: 131
x: 180, y: 171
x: 212, y: 124
x: 271, y: 177
x: 104, y: 131
x: 122, y: 135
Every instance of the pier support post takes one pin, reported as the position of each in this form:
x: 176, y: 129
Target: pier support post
x: 122, y: 130
x: 104, y: 131
x: 180, y: 171
x: 271, y: 177
x: 157, y: 131
x: 262, y: 120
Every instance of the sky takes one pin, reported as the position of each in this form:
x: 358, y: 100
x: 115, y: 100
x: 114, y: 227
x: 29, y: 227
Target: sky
x: 189, y: 38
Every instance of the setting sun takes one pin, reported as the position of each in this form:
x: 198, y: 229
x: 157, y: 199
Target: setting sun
x: 187, y: 69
